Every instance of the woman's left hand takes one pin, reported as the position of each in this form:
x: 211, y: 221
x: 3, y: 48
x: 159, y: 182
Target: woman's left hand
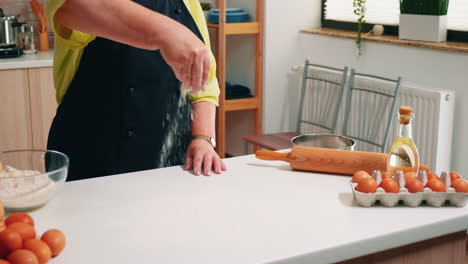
x: 202, y: 156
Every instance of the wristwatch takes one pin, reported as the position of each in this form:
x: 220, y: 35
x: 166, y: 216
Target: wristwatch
x: 208, y: 139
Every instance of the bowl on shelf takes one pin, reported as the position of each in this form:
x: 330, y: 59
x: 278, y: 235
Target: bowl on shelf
x: 233, y: 15
x: 31, y: 178
x: 329, y: 141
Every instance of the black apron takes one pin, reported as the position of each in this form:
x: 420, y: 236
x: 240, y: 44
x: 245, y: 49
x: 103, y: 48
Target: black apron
x: 124, y: 111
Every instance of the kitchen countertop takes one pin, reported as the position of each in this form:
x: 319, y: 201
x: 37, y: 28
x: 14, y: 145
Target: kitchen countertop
x: 40, y: 59
x: 257, y: 212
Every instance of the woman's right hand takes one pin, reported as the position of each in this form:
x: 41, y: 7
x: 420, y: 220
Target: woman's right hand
x: 188, y: 57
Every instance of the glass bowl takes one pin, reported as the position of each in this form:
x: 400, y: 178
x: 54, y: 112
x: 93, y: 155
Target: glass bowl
x: 31, y: 178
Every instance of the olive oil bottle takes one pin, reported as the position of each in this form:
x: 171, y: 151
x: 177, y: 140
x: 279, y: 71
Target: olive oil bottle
x: 403, y: 154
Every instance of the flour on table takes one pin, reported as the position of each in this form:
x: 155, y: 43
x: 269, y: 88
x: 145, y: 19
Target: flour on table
x: 17, y: 190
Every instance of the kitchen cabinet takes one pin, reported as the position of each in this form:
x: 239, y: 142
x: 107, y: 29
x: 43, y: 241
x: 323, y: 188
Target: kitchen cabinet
x: 15, y: 117
x: 43, y: 104
x: 27, y: 107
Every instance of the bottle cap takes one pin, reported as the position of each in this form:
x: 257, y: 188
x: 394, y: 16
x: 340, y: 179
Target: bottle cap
x: 406, y: 113
x: 406, y: 110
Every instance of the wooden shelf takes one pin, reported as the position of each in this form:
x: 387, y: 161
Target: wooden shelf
x: 222, y: 30
x: 241, y: 104
x: 238, y: 28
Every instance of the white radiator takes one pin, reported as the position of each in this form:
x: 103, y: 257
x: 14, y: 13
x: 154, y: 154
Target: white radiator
x: 432, y: 126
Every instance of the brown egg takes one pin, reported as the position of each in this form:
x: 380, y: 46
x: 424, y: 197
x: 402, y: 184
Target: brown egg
x: 39, y: 248
x: 359, y: 175
x: 410, y: 176
x: 22, y: 256
x: 10, y: 239
x: 436, y: 185
x: 55, y: 239
x: 26, y: 231
x: 460, y: 185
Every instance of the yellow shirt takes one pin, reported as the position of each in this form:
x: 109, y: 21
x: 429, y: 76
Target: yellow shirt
x: 69, y: 46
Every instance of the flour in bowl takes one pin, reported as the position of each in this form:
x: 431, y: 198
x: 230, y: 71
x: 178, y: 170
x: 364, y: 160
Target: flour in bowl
x: 17, y: 190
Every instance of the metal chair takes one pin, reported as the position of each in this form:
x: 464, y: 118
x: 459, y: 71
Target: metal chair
x: 370, y: 110
x: 319, y: 104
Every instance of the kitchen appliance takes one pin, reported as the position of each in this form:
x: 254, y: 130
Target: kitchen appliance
x: 334, y: 161
x: 324, y: 141
x: 26, y: 39
x: 9, y: 26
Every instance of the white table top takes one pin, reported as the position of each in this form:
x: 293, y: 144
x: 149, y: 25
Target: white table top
x: 40, y: 59
x: 257, y: 212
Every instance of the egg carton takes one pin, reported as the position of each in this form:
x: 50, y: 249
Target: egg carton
x: 434, y: 199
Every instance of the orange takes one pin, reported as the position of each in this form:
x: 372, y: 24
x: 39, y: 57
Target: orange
x: 55, y: 239
x: 19, y: 217
x: 10, y: 239
x: 22, y: 256
x: 26, y: 231
x: 436, y: 185
x: 367, y: 185
x: 40, y: 249
x: 390, y: 185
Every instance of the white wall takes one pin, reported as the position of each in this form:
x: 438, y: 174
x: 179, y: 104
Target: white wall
x: 285, y: 47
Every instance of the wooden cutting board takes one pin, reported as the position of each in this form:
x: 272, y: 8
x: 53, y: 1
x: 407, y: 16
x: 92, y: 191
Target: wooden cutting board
x: 328, y: 160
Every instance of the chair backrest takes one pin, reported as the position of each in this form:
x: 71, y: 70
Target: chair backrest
x: 321, y: 96
x: 370, y: 108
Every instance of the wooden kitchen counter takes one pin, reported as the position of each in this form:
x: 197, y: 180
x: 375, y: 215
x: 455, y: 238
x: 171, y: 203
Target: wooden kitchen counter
x: 257, y: 212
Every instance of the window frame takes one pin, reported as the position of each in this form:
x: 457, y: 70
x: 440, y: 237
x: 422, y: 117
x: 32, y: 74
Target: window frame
x: 452, y: 35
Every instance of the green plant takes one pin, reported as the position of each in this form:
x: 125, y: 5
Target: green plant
x: 206, y: 6
x: 424, y: 7
x: 360, y: 11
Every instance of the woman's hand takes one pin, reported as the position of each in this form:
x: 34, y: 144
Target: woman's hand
x: 188, y: 57
x: 201, y: 157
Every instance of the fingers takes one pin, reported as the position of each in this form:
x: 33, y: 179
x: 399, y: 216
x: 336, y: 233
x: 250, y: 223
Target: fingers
x: 217, y: 165
x: 223, y: 166
x: 188, y: 160
x: 206, y: 71
x: 187, y: 73
x: 197, y: 74
x: 202, y: 159
x: 197, y: 163
x: 207, y: 162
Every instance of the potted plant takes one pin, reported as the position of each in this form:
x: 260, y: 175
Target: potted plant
x: 206, y: 7
x: 424, y: 20
x: 360, y: 11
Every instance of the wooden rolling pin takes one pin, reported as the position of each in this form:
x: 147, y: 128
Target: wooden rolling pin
x: 328, y: 160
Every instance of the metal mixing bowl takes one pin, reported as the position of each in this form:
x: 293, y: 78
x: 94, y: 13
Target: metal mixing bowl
x: 324, y: 141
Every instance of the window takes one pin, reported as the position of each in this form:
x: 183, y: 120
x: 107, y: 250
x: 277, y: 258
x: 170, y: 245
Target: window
x: 339, y: 14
